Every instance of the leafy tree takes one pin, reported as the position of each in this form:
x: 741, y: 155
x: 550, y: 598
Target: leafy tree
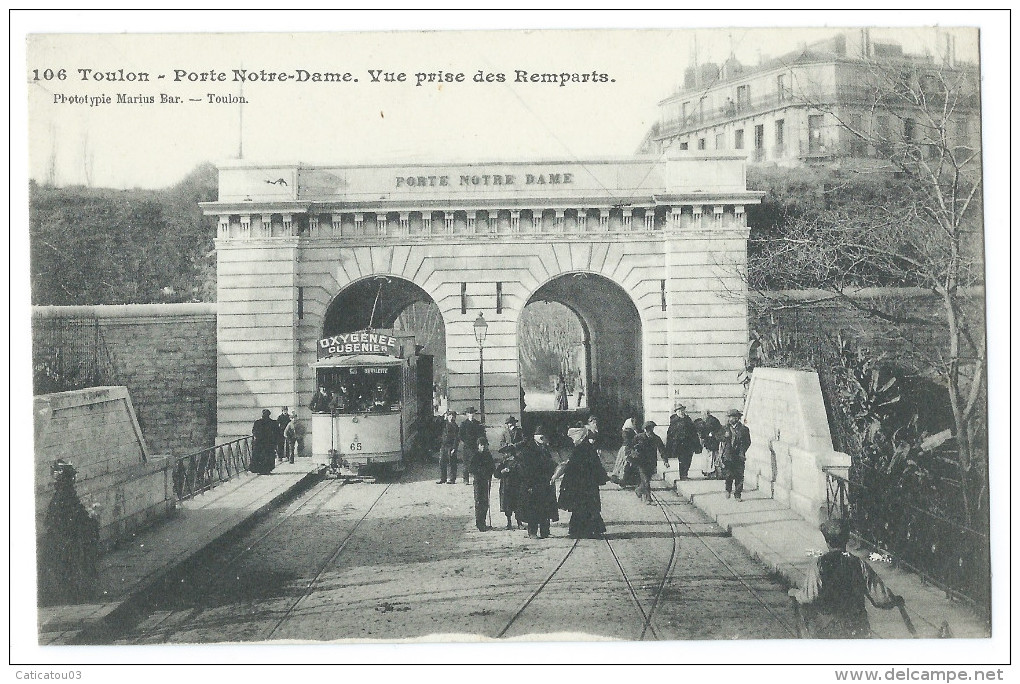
x: 549, y: 337
x: 912, y: 216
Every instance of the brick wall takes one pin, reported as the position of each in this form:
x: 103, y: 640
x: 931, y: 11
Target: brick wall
x: 165, y: 354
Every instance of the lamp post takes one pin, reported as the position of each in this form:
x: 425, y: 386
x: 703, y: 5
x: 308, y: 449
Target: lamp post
x: 480, y: 329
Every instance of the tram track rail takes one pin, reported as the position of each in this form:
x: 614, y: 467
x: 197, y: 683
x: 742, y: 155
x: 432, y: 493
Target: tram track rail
x: 649, y: 608
x: 310, y: 586
x: 238, y: 556
x: 647, y: 616
x: 667, y: 512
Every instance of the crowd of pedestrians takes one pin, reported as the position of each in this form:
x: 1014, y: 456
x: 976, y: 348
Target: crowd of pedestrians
x: 832, y: 598
x: 724, y: 445
x: 275, y: 440
x: 528, y: 472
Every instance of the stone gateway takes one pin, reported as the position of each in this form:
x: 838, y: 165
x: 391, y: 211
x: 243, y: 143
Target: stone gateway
x: 647, y: 251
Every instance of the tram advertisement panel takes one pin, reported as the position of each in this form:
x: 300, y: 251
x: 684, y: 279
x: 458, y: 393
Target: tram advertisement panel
x: 360, y: 342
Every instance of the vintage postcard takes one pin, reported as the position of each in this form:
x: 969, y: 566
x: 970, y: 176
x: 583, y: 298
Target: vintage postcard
x: 510, y: 343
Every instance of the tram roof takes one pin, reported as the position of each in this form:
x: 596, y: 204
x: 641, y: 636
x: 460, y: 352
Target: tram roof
x: 357, y: 360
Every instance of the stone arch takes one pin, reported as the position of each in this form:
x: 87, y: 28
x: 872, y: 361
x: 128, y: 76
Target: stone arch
x: 382, y: 301
x: 613, y: 328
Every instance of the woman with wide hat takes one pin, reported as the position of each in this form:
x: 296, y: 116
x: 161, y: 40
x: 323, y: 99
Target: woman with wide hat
x: 582, y: 475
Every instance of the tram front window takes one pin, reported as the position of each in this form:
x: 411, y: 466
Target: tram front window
x: 365, y: 389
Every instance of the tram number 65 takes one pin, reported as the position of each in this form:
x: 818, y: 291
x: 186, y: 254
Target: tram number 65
x: 355, y: 446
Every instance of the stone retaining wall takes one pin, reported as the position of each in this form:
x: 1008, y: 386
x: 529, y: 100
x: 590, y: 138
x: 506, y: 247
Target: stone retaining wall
x: 165, y: 354
x: 96, y: 430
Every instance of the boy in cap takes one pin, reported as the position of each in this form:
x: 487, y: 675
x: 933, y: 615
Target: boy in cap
x: 478, y: 461
x: 836, y: 586
x: 734, y: 442
x: 647, y: 446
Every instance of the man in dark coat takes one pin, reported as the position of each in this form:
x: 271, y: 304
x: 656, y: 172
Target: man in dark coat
x: 836, y: 587
x: 470, y: 431
x: 709, y: 428
x: 583, y: 474
x: 479, y: 463
x: 682, y: 439
x: 508, y: 471
x: 512, y: 435
x: 320, y: 401
x: 734, y: 442
x: 448, y: 450
x: 647, y: 446
x: 537, y: 503
x: 282, y: 420
x: 265, y: 437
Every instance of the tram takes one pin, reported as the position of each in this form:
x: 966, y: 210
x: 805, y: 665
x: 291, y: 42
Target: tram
x: 372, y: 408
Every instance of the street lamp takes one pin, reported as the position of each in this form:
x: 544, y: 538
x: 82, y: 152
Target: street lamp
x: 480, y: 329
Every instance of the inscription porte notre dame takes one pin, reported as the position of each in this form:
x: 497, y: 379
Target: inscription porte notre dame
x: 484, y: 179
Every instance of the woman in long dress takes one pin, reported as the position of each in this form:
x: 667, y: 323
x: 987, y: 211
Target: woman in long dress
x: 622, y: 471
x: 264, y: 439
x: 582, y: 475
x: 560, y: 394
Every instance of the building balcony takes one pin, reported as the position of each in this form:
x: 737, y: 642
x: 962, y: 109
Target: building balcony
x: 859, y: 96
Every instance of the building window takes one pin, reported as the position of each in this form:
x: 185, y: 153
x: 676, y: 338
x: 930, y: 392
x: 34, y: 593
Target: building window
x: 738, y: 139
x: 720, y: 141
x: 759, y: 142
x: 743, y: 98
x: 780, y: 135
x: 683, y: 146
x: 701, y: 143
x: 781, y: 88
x: 815, y: 142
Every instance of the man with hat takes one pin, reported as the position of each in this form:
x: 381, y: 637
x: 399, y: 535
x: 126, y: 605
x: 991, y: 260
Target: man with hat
x: 536, y: 504
x: 508, y: 471
x: 648, y: 445
x: 682, y: 439
x: 448, y: 450
x: 513, y: 435
x: 836, y: 586
x: 281, y: 445
x: 734, y: 442
x: 470, y: 432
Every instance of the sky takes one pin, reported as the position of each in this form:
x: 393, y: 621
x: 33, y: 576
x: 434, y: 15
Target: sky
x: 154, y: 145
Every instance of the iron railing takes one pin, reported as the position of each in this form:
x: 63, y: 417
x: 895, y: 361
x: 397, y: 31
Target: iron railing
x: 943, y: 552
x: 69, y: 354
x: 203, y: 470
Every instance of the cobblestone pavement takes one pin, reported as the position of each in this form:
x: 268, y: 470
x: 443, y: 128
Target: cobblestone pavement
x: 403, y: 560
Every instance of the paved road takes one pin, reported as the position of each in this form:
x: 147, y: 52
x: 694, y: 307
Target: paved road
x: 403, y: 560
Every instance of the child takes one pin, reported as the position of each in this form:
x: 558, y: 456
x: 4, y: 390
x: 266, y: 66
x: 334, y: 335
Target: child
x: 481, y: 465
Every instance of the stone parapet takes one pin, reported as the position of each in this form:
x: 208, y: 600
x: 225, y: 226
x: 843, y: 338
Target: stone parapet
x: 790, y: 440
x: 118, y: 479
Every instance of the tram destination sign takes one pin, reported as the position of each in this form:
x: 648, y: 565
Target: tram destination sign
x: 360, y: 342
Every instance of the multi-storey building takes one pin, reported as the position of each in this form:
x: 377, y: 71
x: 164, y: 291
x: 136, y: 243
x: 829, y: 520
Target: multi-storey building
x: 843, y: 98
